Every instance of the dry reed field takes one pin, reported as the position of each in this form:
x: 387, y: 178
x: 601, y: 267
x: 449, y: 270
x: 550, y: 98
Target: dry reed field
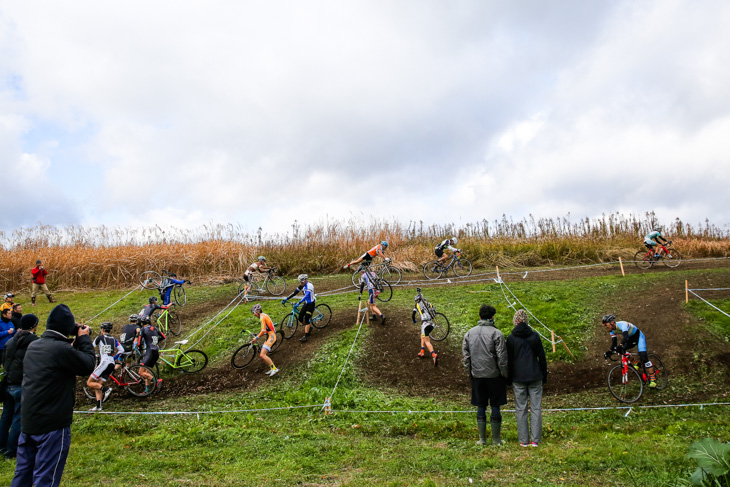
x: 100, y: 257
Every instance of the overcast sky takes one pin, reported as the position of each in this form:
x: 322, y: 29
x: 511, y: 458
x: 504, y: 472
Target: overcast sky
x: 259, y: 113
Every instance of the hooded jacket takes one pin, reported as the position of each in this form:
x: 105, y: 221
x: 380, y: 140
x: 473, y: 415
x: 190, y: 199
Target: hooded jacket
x: 50, y: 368
x: 527, y: 361
x: 14, y: 353
x: 5, y: 335
x: 484, y: 351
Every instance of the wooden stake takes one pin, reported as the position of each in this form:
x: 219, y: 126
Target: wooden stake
x: 327, y: 406
x: 566, y: 347
x: 686, y: 291
x: 498, y: 276
x: 552, y: 335
x: 621, y: 262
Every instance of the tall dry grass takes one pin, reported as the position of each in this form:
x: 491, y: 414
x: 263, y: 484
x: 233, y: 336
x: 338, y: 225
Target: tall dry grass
x: 97, y: 257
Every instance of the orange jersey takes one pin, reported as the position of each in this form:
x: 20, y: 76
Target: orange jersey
x: 267, y: 326
x: 375, y: 250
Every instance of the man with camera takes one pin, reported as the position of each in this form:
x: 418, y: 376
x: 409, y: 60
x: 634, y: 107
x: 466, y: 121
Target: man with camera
x: 50, y: 367
x: 39, y: 274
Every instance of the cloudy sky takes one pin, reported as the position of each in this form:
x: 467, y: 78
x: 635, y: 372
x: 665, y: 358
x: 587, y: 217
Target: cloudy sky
x: 259, y: 113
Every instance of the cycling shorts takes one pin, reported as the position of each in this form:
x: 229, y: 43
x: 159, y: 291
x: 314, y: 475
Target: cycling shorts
x: 439, y: 252
x: 372, y: 294
x: 103, y: 370
x: 245, y: 277
x: 269, y: 342
x: 150, y: 358
x: 634, y: 340
x: 367, y: 257
x: 305, y: 315
x: 650, y: 243
x: 426, y: 328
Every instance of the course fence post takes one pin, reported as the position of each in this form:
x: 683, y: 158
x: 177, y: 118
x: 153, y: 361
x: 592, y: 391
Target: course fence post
x: 686, y: 291
x: 621, y: 263
x: 552, y: 337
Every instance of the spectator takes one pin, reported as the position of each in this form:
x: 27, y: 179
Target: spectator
x: 16, y: 348
x: 8, y: 302
x: 6, y: 331
x: 39, y: 282
x: 51, y: 365
x: 485, y: 359
x: 16, y: 315
x: 527, y: 372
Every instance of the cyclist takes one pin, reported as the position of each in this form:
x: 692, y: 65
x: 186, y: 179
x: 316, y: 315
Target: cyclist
x: 369, y: 278
x: 130, y: 332
x: 423, y: 308
x: 370, y: 254
x: 653, y: 238
x: 446, y: 245
x: 632, y: 337
x: 168, y: 283
x: 267, y: 328
x: 260, y: 267
x: 152, y: 336
x: 309, y: 298
x: 145, y: 316
x: 107, y: 345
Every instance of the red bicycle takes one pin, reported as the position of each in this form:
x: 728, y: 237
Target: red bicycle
x: 128, y: 378
x: 626, y: 380
x: 644, y: 259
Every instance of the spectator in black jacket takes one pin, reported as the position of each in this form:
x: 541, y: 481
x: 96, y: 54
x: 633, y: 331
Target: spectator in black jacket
x: 527, y: 372
x: 14, y: 353
x: 50, y: 368
x: 16, y: 315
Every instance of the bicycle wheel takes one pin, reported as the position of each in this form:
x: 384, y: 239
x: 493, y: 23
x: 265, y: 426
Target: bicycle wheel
x: 386, y: 292
x: 173, y: 323
x: 243, y: 356
x: 628, y: 390
x: 288, y: 325
x: 391, y: 274
x: 321, y: 316
x: 643, y: 260
x: 278, y: 342
x: 150, y: 280
x: 89, y: 392
x: 441, y: 327
x: 461, y: 268
x: 673, y: 259
x: 178, y: 294
x: 433, y: 269
x: 662, y: 374
x: 242, y: 288
x: 356, y: 279
x: 135, y: 382
x: 191, y: 361
x: 276, y: 285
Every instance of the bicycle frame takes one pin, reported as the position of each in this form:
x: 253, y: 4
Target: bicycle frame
x: 316, y: 314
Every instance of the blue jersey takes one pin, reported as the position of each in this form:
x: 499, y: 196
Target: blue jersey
x: 625, y: 327
x: 308, y: 289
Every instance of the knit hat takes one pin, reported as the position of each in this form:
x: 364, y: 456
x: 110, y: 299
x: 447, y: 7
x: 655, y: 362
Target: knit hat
x: 28, y: 322
x: 61, y: 320
x: 520, y: 317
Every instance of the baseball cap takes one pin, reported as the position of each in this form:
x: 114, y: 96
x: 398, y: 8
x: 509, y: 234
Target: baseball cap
x: 10, y: 295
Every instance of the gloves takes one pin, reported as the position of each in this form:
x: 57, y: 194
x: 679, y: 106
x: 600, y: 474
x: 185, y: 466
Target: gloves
x: 283, y: 302
x: 188, y: 282
x: 607, y: 355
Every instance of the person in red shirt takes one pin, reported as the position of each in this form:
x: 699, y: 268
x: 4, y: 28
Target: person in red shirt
x: 39, y: 282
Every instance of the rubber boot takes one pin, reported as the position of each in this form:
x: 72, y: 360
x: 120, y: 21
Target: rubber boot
x: 32, y: 300
x: 482, y: 427
x: 497, y: 432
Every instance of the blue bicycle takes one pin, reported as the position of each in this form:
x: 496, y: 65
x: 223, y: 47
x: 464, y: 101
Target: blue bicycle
x: 321, y: 317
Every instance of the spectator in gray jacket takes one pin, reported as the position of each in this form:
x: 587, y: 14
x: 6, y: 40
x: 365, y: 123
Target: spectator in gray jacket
x: 485, y: 359
x: 527, y: 372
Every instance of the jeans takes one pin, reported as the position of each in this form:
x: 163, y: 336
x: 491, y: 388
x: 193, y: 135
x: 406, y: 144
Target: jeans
x: 42, y: 458
x: 10, y: 421
x: 533, y: 391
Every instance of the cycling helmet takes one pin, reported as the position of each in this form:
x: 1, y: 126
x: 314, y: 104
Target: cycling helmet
x: 172, y: 274
x: 453, y: 240
x: 106, y: 326
x: 146, y: 319
x: 153, y: 299
x: 384, y: 244
x: 261, y: 257
x: 133, y: 318
x: 657, y: 228
x: 387, y: 260
x: 608, y: 318
x: 302, y: 277
x: 256, y: 308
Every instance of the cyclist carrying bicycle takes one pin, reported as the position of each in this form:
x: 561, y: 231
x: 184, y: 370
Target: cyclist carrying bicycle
x: 146, y: 314
x: 369, y: 278
x: 632, y: 337
x: 168, y: 283
x: 653, y: 238
x: 267, y: 328
x: 446, y: 245
x: 260, y: 267
x: 378, y: 250
x: 107, y: 345
x: 309, y: 298
x: 151, y: 336
x: 421, y: 308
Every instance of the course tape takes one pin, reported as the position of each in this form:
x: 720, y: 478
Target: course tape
x: 117, y: 301
x: 706, y: 301
x: 177, y: 413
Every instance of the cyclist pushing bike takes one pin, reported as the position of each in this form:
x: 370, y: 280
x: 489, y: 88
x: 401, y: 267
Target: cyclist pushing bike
x: 168, y: 283
x: 653, y: 238
x: 378, y: 250
x: 632, y: 337
x: 259, y: 267
x: 107, y: 345
x: 422, y: 308
x: 309, y: 298
x: 150, y: 335
x: 443, y: 246
x: 369, y: 278
x: 267, y: 328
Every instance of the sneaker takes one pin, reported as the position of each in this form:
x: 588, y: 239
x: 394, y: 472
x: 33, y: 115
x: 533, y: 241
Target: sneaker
x: 148, y: 390
x: 524, y: 445
x: 95, y: 408
x: 422, y: 353
x: 652, y: 384
x: 435, y: 359
x: 107, y: 393
x: 303, y: 339
x: 534, y: 444
x: 382, y: 319
x: 159, y: 384
x: 273, y: 372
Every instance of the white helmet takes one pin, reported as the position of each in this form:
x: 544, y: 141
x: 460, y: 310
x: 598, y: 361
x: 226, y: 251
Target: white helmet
x: 453, y: 241
x: 302, y: 277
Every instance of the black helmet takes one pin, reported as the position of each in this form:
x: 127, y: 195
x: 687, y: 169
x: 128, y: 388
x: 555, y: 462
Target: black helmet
x: 153, y: 299
x: 133, y: 318
x: 106, y: 326
x: 608, y: 318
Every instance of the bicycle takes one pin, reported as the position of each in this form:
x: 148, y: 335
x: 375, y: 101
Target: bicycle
x: 153, y: 280
x: 460, y: 266
x: 188, y: 361
x: 669, y: 257
x: 275, y: 285
x: 383, y: 270
x: 321, y: 317
x: 441, y: 325
x: 129, y: 378
x: 168, y: 320
x: 245, y: 353
x: 626, y: 380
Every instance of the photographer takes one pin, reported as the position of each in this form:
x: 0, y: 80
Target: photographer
x: 39, y: 274
x: 50, y: 367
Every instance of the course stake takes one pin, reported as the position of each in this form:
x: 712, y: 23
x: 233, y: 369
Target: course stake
x: 621, y: 263
x: 327, y: 406
x: 552, y: 338
x: 686, y: 291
